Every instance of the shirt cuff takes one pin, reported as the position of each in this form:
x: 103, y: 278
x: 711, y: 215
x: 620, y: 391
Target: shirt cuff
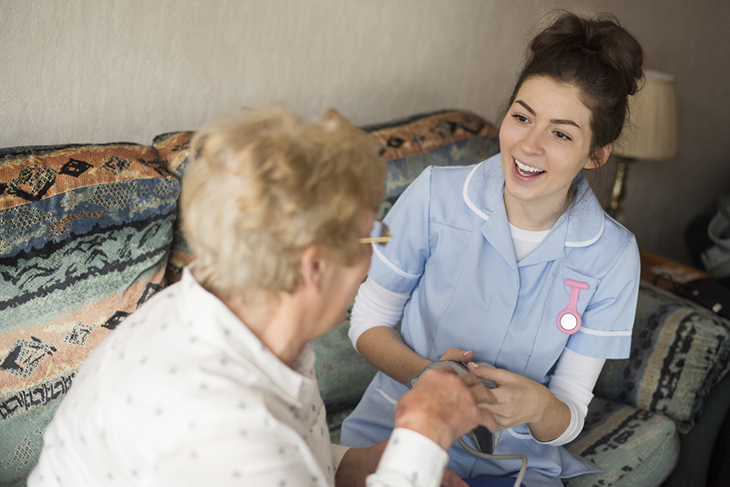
x: 410, y: 459
x: 338, y: 451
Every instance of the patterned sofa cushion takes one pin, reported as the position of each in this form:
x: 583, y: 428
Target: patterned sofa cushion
x: 633, y: 447
x: 84, y: 237
x: 445, y: 138
x: 679, y: 352
x: 173, y: 151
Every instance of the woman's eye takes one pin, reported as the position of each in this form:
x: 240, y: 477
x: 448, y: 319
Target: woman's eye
x: 519, y: 118
x: 562, y: 136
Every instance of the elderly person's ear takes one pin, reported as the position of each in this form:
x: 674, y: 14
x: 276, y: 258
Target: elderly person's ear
x: 312, y: 267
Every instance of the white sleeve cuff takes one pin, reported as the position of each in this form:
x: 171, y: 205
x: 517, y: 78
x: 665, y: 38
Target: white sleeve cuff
x: 338, y: 451
x: 375, y: 306
x: 577, y: 420
x: 410, y: 459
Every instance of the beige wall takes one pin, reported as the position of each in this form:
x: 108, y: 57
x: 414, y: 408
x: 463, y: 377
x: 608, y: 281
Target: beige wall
x: 101, y: 71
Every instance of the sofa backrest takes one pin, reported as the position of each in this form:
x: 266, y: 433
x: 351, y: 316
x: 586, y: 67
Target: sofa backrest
x: 409, y: 145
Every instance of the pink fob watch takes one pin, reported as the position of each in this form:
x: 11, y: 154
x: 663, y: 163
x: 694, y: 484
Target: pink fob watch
x: 569, y: 320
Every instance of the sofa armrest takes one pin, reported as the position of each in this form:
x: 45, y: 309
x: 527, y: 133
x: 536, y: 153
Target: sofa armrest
x: 679, y: 352
x: 632, y: 446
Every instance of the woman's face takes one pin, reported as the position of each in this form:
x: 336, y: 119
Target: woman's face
x: 545, y: 141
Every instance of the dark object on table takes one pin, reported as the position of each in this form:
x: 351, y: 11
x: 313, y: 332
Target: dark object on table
x: 707, y: 292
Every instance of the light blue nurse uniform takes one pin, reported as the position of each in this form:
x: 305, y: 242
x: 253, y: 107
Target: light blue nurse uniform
x: 452, y: 250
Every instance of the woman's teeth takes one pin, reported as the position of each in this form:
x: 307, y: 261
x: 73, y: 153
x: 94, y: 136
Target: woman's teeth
x: 526, y: 170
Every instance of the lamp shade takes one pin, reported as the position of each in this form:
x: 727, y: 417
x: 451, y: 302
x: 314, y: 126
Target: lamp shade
x: 651, y: 131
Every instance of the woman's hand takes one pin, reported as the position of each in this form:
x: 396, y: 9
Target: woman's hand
x: 457, y: 355
x: 518, y: 400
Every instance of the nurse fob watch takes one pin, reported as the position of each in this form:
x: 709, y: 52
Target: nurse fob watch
x: 569, y: 320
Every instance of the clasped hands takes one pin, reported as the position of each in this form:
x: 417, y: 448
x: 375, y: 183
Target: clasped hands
x: 517, y: 400
x: 444, y: 405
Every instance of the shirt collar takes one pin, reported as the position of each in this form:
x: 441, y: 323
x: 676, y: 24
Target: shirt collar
x: 580, y: 226
x: 212, y: 319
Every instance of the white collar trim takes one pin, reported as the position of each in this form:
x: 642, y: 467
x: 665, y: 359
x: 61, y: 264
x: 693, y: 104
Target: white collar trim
x: 582, y: 207
x: 591, y: 241
x: 466, y: 195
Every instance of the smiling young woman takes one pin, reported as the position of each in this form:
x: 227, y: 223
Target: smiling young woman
x: 545, y: 141
x: 486, y: 260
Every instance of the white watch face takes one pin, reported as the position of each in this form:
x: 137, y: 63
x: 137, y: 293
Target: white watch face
x: 568, y: 321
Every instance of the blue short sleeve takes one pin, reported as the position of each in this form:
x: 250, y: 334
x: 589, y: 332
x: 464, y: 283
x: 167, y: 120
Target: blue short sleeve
x: 399, y: 265
x: 609, y: 317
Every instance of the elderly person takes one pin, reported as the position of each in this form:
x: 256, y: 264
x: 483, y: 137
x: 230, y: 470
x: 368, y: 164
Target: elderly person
x: 212, y: 382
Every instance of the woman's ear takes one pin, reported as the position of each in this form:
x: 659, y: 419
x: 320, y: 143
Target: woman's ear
x: 601, y: 156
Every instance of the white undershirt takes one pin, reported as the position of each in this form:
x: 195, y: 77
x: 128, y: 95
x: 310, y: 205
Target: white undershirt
x: 572, y: 382
x: 525, y: 241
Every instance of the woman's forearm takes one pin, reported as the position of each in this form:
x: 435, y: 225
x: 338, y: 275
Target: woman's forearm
x: 553, y: 420
x: 383, y: 347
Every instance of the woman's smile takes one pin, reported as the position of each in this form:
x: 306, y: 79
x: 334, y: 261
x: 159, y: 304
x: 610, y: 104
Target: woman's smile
x: 527, y: 171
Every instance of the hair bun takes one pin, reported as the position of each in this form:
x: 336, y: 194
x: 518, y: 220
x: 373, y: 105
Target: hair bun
x: 601, y: 37
x: 597, y: 56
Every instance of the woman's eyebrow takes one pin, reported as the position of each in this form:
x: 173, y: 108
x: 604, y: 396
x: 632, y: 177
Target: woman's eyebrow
x: 555, y: 120
x: 526, y: 106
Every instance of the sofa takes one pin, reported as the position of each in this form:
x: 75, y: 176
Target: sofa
x: 89, y: 232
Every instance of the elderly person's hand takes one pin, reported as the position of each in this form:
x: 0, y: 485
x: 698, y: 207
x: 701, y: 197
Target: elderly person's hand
x: 444, y: 405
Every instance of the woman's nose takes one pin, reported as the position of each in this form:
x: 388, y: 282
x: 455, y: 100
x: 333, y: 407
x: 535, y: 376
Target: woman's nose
x: 531, y: 142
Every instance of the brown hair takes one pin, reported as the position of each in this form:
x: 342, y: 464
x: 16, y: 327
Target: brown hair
x: 597, y: 56
x: 266, y: 185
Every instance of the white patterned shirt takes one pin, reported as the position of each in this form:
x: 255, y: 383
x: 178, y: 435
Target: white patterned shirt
x: 183, y: 394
